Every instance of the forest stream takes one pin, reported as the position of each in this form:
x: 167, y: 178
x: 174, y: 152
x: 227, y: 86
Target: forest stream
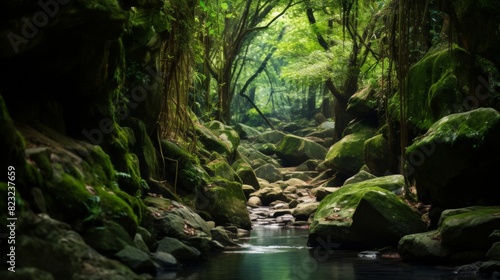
x: 249, y: 139
x: 275, y: 252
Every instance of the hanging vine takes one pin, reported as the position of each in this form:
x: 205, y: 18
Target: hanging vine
x: 178, y: 56
x: 407, y: 40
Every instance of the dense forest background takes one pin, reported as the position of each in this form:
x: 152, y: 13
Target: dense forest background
x: 124, y: 118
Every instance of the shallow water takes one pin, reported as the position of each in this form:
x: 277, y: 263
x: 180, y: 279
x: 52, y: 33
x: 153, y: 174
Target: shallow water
x: 280, y: 253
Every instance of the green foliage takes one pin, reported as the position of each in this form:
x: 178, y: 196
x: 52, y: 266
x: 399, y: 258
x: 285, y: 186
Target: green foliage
x: 94, y: 209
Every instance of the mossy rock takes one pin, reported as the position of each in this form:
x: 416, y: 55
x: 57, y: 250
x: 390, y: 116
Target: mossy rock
x: 246, y: 173
x: 457, y: 152
x: 108, y: 238
x: 469, y: 228
x: 226, y: 134
x: 211, y: 141
x: 184, y: 167
x: 97, y: 167
x: 144, y: 149
x: 245, y: 131
x: 79, y: 184
x: 363, y: 216
x: 434, y: 87
x: 376, y: 155
x: 226, y: 203
x: 294, y: 150
x: 347, y: 155
x: 363, y: 103
x: 220, y: 167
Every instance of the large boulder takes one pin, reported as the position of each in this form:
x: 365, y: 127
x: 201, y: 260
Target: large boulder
x: 269, y: 172
x: 271, y: 136
x: 294, y: 150
x: 246, y: 173
x: 81, y: 175
x: 185, y: 167
x: 221, y: 141
x: 347, y: 155
x: 225, y: 202
x: 245, y: 131
x: 454, y: 163
x: 172, y: 219
x: 221, y: 168
x: 226, y: 134
x: 363, y: 103
x: 376, y: 155
x: 393, y: 183
x: 254, y: 157
x: 463, y: 235
x: 434, y: 87
x: 363, y: 215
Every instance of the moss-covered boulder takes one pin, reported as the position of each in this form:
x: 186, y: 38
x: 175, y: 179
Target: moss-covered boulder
x: 455, y: 161
x: 143, y: 147
x: 363, y: 103
x: 226, y: 136
x: 245, y: 131
x: 463, y: 236
x: 269, y: 173
x: 175, y: 220
x: 221, y: 168
x: 184, y: 168
x: 246, y: 173
x: 254, y: 157
x: 363, y: 215
x: 270, y: 136
x: 470, y: 227
x: 436, y: 87
x: 393, y: 183
x: 376, y: 155
x: 108, y: 238
x: 294, y: 150
x: 347, y: 155
x: 225, y: 202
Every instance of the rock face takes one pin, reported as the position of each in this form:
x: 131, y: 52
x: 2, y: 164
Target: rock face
x: 453, y: 162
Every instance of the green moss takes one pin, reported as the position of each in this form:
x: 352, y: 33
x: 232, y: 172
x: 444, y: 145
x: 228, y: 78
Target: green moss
x: 365, y: 214
x: 116, y: 209
x: 220, y: 167
x: 183, y: 168
x: 347, y: 155
x: 433, y: 88
x: 226, y: 203
x: 65, y: 199
x: 471, y: 229
x: 290, y: 145
x: 97, y: 167
x: 473, y: 126
x: 43, y: 163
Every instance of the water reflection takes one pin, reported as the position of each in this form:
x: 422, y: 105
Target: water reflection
x: 277, y: 253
